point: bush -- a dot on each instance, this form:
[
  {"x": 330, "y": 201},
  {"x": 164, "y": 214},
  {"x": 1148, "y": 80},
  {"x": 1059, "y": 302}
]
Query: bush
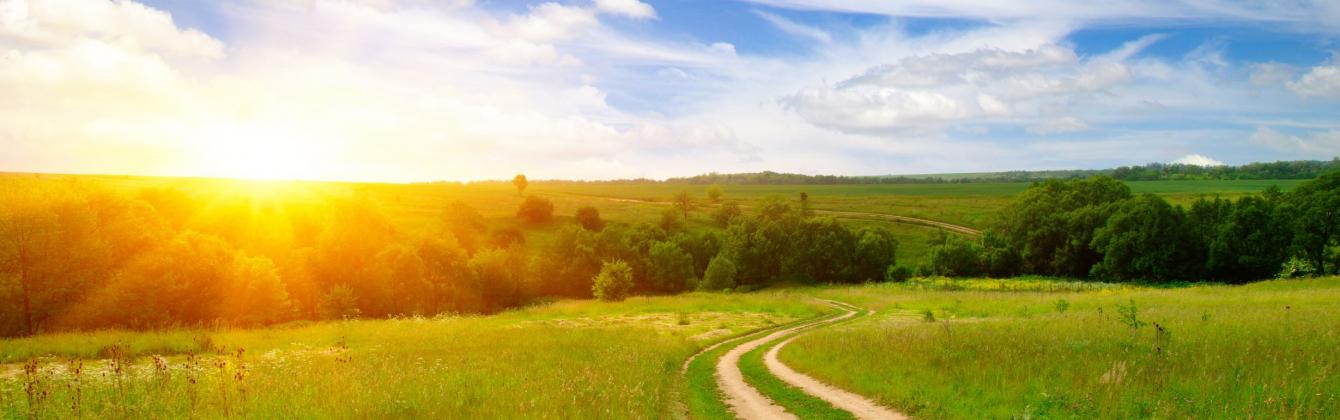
[
  {"x": 589, "y": 218},
  {"x": 339, "y": 303},
  {"x": 614, "y": 282},
  {"x": 720, "y": 274},
  {"x": 671, "y": 220},
  {"x": 536, "y": 210},
  {"x": 726, "y": 213},
  {"x": 898, "y": 273},
  {"x": 1296, "y": 267}
]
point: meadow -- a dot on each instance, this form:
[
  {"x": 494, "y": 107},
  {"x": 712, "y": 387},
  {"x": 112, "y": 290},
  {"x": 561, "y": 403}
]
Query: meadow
[
  {"x": 936, "y": 347},
  {"x": 1012, "y": 349},
  {"x": 566, "y": 359}
]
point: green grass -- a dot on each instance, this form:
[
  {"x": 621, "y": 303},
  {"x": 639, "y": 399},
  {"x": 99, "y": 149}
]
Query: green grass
[
  {"x": 1265, "y": 350},
  {"x": 570, "y": 359}
]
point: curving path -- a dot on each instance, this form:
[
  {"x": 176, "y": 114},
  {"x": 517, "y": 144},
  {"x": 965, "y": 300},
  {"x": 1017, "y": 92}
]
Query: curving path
[{"x": 748, "y": 403}]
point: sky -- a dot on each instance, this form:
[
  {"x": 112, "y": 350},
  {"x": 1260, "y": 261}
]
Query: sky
[{"x": 420, "y": 90}]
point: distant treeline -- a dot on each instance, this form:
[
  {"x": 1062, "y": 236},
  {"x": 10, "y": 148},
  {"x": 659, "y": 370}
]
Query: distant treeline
[
  {"x": 1298, "y": 169},
  {"x": 1095, "y": 228},
  {"x": 75, "y": 256}
]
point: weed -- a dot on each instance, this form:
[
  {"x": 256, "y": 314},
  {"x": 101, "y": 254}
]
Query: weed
[
  {"x": 683, "y": 318},
  {"x": 1062, "y": 305},
  {"x": 928, "y": 315},
  {"x": 1130, "y": 315},
  {"x": 35, "y": 387},
  {"x": 75, "y": 386}
]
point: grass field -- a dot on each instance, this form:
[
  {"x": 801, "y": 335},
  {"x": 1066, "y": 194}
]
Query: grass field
[
  {"x": 1265, "y": 350},
  {"x": 568, "y": 359},
  {"x": 995, "y": 348}
]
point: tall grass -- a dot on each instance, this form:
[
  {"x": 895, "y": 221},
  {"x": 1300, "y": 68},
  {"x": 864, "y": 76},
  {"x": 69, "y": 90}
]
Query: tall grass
[
  {"x": 1266, "y": 350},
  {"x": 567, "y": 360}
]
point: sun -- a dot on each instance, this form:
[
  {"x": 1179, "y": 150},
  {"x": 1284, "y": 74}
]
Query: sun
[{"x": 260, "y": 157}]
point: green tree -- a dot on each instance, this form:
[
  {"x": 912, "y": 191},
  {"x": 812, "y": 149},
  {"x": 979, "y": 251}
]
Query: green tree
[
  {"x": 669, "y": 268},
  {"x": 714, "y": 193},
  {"x": 684, "y": 202},
  {"x": 257, "y": 295},
  {"x": 720, "y": 274},
  {"x": 520, "y": 182},
  {"x": 589, "y": 218},
  {"x": 339, "y": 303},
  {"x": 536, "y": 210},
  {"x": 1315, "y": 210},
  {"x": 1145, "y": 238},
  {"x": 671, "y": 220},
  {"x": 725, "y": 213},
  {"x": 614, "y": 282},
  {"x": 876, "y": 251},
  {"x": 954, "y": 256}
]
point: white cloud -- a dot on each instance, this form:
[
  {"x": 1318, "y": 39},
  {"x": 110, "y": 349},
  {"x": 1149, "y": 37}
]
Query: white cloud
[
  {"x": 795, "y": 28},
  {"x": 628, "y": 8},
  {"x": 1320, "y": 14},
  {"x": 1315, "y": 145},
  {"x": 927, "y": 90},
  {"x": 1323, "y": 81},
  {"x": 1059, "y": 125},
  {"x": 129, "y": 25},
  {"x": 1198, "y": 160},
  {"x": 1270, "y": 73}
]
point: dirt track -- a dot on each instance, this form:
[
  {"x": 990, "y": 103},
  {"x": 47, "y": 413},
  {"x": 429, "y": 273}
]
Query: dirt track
[{"x": 748, "y": 403}]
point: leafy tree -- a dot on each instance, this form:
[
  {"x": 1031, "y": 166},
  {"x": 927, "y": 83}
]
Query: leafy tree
[
  {"x": 822, "y": 250},
  {"x": 506, "y": 237},
  {"x": 684, "y": 202},
  {"x": 670, "y": 268},
  {"x": 614, "y": 282},
  {"x": 497, "y": 275},
  {"x": 519, "y": 181},
  {"x": 671, "y": 220},
  {"x": 714, "y": 193},
  {"x": 720, "y": 274},
  {"x": 339, "y": 303},
  {"x": 1249, "y": 240},
  {"x": 1051, "y": 224},
  {"x": 465, "y": 224},
  {"x": 876, "y": 251},
  {"x": 1145, "y": 238},
  {"x": 589, "y": 218},
  {"x": 1315, "y": 210},
  {"x": 257, "y": 295},
  {"x": 536, "y": 210},
  {"x": 726, "y": 213},
  {"x": 898, "y": 273},
  {"x": 954, "y": 256}
]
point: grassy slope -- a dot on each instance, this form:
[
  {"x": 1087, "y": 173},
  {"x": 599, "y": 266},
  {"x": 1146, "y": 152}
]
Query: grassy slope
[
  {"x": 571, "y": 359},
  {"x": 1262, "y": 350}
]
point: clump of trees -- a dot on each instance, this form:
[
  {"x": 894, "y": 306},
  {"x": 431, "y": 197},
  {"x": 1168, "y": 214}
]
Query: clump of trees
[{"x": 1095, "y": 228}]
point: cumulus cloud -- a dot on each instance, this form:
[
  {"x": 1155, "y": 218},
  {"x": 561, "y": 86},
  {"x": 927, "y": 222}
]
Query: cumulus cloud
[
  {"x": 1059, "y": 125},
  {"x": 924, "y": 90},
  {"x": 1323, "y": 81},
  {"x": 1198, "y": 160},
  {"x": 126, "y": 24},
  {"x": 628, "y": 8}
]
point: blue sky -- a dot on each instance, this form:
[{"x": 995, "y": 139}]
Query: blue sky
[{"x": 411, "y": 90}]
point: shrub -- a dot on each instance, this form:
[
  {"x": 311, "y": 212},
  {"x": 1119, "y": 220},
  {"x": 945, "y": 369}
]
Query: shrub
[
  {"x": 1296, "y": 267},
  {"x": 614, "y": 281},
  {"x": 339, "y": 303},
  {"x": 727, "y": 212},
  {"x": 671, "y": 220},
  {"x": 589, "y": 218},
  {"x": 536, "y": 210},
  {"x": 898, "y": 273},
  {"x": 720, "y": 274}
]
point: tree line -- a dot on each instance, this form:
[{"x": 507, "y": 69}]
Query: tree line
[
  {"x": 1096, "y": 228},
  {"x": 76, "y": 256},
  {"x": 1299, "y": 169}
]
